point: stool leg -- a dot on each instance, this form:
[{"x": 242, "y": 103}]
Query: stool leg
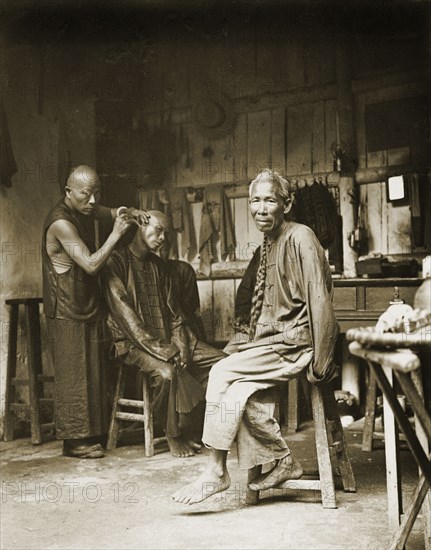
[
  {"x": 338, "y": 440},
  {"x": 114, "y": 426},
  {"x": 148, "y": 418},
  {"x": 370, "y": 413},
  {"x": 292, "y": 406},
  {"x": 11, "y": 372},
  {"x": 327, "y": 485},
  {"x": 34, "y": 369},
  {"x": 252, "y": 497}
]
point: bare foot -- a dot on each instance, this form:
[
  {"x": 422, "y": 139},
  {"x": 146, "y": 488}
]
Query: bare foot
[
  {"x": 194, "y": 445},
  {"x": 286, "y": 468},
  {"x": 207, "y": 484},
  {"x": 179, "y": 447}
]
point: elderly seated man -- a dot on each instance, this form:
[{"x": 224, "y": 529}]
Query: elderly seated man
[
  {"x": 150, "y": 332},
  {"x": 292, "y": 329}
]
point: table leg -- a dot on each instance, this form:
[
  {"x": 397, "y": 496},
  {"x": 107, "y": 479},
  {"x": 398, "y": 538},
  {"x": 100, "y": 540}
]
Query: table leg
[
  {"x": 403, "y": 422},
  {"x": 392, "y": 456},
  {"x": 416, "y": 377}
]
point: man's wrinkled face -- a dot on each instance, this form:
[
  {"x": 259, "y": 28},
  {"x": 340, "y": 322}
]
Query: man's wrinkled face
[
  {"x": 154, "y": 233},
  {"x": 84, "y": 195},
  {"x": 267, "y": 208}
]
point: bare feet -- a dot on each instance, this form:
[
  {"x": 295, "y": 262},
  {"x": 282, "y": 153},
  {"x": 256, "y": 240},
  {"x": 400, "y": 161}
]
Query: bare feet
[
  {"x": 194, "y": 445},
  {"x": 179, "y": 447},
  {"x": 286, "y": 468},
  {"x": 207, "y": 484}
]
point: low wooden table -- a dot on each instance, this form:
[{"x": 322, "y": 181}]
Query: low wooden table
[{"x": 389, "y": 356}]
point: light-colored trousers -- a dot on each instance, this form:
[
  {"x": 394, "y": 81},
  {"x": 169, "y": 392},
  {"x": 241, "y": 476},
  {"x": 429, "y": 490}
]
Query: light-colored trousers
[{"x": 240, "y": 401}]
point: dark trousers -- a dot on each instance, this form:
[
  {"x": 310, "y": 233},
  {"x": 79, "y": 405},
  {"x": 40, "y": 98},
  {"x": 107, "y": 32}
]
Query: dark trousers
[
  {"x": 163, "y": 381},
  {"x": 80, "y": 384}
]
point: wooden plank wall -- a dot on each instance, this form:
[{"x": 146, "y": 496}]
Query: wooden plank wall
[
  {"x": 295, "y": 139},
  {"x": 218, "y": 308}
]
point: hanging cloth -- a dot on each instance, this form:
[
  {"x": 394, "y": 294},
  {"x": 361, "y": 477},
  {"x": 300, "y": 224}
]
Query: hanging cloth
[
  {"x": 216, "y": 224},
  {"x": 182, "y": 222},
  {"x": 415, "y": 208},
  {"x": 63, "y": 157}
]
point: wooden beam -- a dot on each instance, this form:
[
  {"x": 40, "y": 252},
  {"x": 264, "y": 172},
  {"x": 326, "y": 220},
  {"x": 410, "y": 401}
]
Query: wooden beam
[
  {"x": 381, "y": 173},
  {"x": 385, "y": 80}
]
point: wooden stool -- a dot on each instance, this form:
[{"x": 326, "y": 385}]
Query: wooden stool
[
  {"x": 146, "y": 417},
  {"x": 297, "y": 391},
  {"x": 39, "y": 432},
  {"x": 331, "y": 452}
]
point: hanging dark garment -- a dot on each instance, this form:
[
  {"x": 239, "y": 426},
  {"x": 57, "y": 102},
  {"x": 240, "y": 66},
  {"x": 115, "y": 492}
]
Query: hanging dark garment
[
  {"x": 315, "y": 207},
  {"x": 7, "y": 160},
  {"x": 64, "y": 164}
]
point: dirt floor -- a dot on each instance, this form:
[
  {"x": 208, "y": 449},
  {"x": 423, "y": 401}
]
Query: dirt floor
[{"x": 123, "y": 501}]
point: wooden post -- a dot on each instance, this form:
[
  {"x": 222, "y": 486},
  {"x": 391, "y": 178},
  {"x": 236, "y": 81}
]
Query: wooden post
[
  {"x": 346, "y": 133},
  {"x": 347, "y": 189}
]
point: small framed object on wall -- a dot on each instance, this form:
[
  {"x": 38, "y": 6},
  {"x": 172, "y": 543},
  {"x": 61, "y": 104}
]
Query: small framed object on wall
[{"x": 396, "y": 190}]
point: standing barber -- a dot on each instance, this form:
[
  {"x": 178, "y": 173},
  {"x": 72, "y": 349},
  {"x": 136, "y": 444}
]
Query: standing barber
[{"x": 73, "y": 307}]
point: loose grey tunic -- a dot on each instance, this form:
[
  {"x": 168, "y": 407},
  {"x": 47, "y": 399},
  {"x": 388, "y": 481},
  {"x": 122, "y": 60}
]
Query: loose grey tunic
[{"x": 297, "y": 330}]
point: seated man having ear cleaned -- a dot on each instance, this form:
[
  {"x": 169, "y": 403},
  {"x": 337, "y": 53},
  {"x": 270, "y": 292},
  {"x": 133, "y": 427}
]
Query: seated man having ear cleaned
[{"x": 150, "y": 332}]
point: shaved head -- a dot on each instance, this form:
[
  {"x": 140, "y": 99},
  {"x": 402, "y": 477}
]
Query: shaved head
[
  {"x": 82, "y": 176},
  {"x": 153, "y": 235},
  {"x": 158, "y": 217},
  {"x": 82, "y": 190}
]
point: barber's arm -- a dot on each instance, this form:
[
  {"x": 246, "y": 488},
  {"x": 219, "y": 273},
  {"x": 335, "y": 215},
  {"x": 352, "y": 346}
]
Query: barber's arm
[
  {"x": 125, "y": 316},
  {"x": 68, "y": 236}
]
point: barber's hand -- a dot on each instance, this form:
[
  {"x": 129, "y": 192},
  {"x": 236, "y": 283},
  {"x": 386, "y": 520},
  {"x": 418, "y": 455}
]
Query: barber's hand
[
  {"x": 178, "y": 362},
  {"x": 121, "y": 225}
]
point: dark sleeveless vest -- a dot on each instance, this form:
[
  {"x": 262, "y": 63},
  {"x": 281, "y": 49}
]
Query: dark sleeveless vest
[{"x": 75, "y": 294}]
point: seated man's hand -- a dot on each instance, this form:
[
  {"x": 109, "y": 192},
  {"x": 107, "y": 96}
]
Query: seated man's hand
[
  {"x": 178, "y": 362},
  {"x": 332, "y": 372},
  {"x": 141, "y": 217},
  {"x": 241, "y": 325}
]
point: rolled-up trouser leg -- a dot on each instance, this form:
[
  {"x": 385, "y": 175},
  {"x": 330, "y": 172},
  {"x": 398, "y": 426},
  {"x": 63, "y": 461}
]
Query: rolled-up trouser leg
[
  {"x": 232, "y": 382},
  {"x": 259, "y": 438}
]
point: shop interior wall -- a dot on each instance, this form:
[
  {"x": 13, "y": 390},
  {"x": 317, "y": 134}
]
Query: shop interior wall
[{"x": 283, "y": 87}]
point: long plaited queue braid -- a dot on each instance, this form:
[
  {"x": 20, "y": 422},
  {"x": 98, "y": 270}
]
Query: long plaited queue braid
[{"x": 259, "y": 289}]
